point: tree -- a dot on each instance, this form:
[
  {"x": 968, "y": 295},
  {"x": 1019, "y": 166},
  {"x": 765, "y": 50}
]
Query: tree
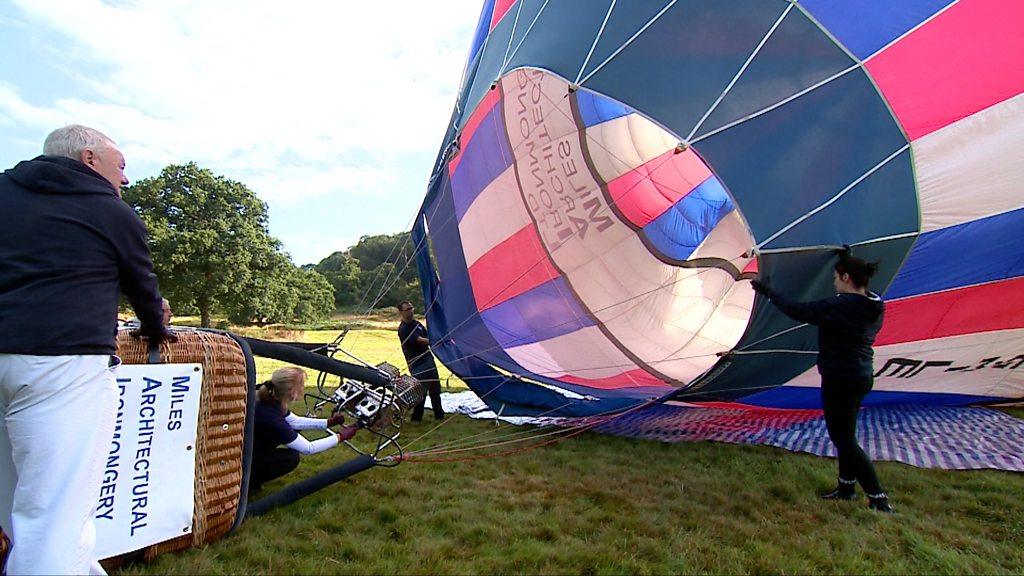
[
  {"x": 316, "y": 296},
  {"x": 267, "y": 296},
  {"x": 377, "y": 270},
  {"x": 342, "y": 271},
  {"x": 204, "y": 230}
]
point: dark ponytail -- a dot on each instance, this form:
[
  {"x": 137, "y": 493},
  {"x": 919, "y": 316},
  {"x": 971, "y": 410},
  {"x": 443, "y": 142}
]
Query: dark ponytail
[{"x": 859, "y": 270}]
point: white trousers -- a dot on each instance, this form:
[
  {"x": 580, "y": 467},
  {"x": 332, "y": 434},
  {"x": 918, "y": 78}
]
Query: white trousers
[{"x": 56, "y": 427}]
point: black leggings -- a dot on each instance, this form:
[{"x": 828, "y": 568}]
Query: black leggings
[
  {"x": 840, "y": 399},
  {"x": 432, "y": 384},
  {"x": 270, "y": 464}
]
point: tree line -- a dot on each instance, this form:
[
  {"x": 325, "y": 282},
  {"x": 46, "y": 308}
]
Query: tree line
[{"x": 214, "y": 255}]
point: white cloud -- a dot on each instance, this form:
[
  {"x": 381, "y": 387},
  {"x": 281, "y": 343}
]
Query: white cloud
[
  {"x": 15, "y": 110},
  {"x": 295, "y": 99}
]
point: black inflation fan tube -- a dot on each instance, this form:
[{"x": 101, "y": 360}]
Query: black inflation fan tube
[
  {"x": 304, "y": 488},
  {"x": 294, "y": 355}
]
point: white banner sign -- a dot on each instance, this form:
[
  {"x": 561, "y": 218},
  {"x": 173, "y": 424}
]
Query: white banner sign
[{"x": 147, "y": 494}]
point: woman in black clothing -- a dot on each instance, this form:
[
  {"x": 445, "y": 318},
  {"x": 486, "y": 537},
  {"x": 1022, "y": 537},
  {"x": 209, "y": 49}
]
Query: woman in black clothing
[
  {"x": 847, "y": 325},
  {"x": 274, "y": 425}
]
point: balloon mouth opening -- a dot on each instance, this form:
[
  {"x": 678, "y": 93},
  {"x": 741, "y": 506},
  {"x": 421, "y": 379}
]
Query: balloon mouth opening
[{"x": 602, "y": 252}]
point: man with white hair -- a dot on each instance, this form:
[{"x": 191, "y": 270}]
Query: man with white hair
[{"x": 69, "y": 246}]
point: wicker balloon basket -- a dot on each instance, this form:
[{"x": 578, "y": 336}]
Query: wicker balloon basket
[{"x": 220, "y": 434}]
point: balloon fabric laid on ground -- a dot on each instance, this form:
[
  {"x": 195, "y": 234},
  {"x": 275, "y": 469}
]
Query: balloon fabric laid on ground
[{"x": 615, "y": 173}]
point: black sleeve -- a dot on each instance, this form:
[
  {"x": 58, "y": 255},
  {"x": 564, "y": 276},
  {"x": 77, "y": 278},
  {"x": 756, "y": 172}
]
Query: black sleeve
[
  {"x": 827, "y": 312},
  {"x": 403, "y": 333},
  {"x": 138, "y": 280}
]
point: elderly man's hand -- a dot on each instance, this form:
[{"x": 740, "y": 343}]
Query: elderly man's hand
[{"x": 155, "y": 336}]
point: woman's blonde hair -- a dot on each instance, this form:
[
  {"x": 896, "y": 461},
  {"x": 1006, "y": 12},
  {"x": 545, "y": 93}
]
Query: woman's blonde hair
[{"x": 280, "y": 384}]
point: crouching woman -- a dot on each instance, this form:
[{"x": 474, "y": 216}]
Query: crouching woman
[{"x": 277, "y": 445}]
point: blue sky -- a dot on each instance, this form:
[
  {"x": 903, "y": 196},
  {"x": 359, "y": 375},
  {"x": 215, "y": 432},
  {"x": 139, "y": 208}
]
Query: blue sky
[{"x": 332, "y": 113}]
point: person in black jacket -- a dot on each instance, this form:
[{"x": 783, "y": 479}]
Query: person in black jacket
[
  {"x": 416, "y": 349},
  {"x": 69, "y": 247},
  {"x": 847, "y": 325}
]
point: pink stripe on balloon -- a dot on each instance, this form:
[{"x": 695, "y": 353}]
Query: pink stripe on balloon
[
  {"x": 632, "y": 379},
  {"x": 964, "y": 60},
  {"x": 490, "y": 99},
  {"x": 647, "y": 191},
  {"x": 512, "y": 267},
  {"x": 500, "y": 8}
]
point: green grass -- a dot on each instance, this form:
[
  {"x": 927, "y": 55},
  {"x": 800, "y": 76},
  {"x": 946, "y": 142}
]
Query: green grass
[{"x": 606, "y": 505}]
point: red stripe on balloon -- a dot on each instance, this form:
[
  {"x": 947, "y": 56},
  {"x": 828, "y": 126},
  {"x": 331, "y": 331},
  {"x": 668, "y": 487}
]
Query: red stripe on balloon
[
  {"x": 512, "y": 267},
  {"x": 631, "y": 379},
  {"x": 489, "y": 101},
  {"x": 966, "y": 59},
  {"x": 500, "y": 8},
  {"x": 649, "y": 190},
  {"x": 983, "y": 308}
]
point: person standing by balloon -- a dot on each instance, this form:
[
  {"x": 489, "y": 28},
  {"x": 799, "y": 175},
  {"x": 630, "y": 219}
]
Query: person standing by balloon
[
  {"x": 847, "y": 326},
  {"x": 416, "y": 349}
]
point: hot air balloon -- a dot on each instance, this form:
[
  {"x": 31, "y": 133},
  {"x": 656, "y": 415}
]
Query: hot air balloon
[{"x": 615, "y": 173}]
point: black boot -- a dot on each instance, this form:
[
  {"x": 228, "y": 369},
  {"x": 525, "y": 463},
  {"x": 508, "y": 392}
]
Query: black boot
[
  {"x": 845, "y": 490},
  {"x": 880, "y": 503}
]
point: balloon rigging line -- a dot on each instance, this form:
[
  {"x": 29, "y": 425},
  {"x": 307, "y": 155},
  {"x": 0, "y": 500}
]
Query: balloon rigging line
[
  {"x": 828, "y": 34},
  {"x": 835, "y": 198},
  {"x": 567, "y": 322},
  {"x": 780, "y": 333},
  {"x": 565, "y": 434},
  {"x": 473, "y": 437},
  {"x": 512, "y": 35},
  {"x": 518, "y": 435},
  {"x": 525, "y": 35},
  {"x": 627, "y": 43},
  {"x": 740, "y": 72},
  {"x": 782, "y": 102},
  {"x": 912, "y": 30},
  {"x": 482, "y": 396},
  {"x": 597, "y": 38},
  {"x": 821, "y": 247}
]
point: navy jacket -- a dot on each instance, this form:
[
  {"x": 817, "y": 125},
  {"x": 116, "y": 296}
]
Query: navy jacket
[
  {"x": 847, "y": 326},
  {"x": 417, "y": 355},
  {"x": 68, "y": 247}
]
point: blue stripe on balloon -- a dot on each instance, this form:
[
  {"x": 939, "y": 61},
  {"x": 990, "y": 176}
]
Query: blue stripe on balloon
[
  {"x": 484, "y": 158},
  {"x": 979, "y": 251},
  {"x": 866, "y": 26},
  {"x": 483, "y": 27},
  {"x": 596, "y": 109},
  {"x": 809, "y": 398},
  {"x": 682, "y": 228},
  {"x": 541, "y": 313}
]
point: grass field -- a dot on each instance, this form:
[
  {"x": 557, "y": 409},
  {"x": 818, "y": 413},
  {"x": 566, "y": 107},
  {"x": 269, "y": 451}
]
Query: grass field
[{"x": 606, "y": 505}]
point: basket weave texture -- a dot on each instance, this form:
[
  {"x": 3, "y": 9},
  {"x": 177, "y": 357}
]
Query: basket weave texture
[{"x": 220, "y": 432}]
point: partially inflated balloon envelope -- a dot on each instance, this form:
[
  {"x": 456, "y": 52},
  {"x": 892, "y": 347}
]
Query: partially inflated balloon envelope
[{"x": 615, "y": 173}]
